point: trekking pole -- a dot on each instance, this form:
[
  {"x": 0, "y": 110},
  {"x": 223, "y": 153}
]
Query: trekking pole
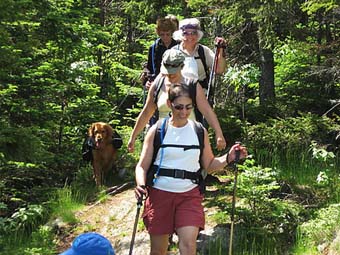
[
  {"x": 211, "y": 82},
  {"x": 139, "y": 206},
  {"x": 212, "y": 76},
  {"x": 237, "y": 158}
]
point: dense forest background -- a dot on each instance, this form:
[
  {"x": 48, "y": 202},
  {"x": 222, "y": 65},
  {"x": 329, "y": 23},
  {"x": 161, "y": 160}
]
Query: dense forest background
[{"x": 66, "y": 64}]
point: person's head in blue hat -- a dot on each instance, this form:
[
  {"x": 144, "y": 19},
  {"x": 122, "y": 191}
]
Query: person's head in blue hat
[{"x": 90, "y": 244}]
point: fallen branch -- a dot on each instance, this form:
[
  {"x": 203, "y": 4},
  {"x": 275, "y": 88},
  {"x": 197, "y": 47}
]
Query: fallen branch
[
  {"x": 116, "y": 189},
  {"x": 111, "y": 191}
]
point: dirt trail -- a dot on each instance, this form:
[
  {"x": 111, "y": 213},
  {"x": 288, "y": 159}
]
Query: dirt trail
[{"x": 114, "y": 218}]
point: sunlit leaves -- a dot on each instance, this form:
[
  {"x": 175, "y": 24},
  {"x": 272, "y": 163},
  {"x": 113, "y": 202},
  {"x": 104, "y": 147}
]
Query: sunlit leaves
[
  {"x": 242, "y": 76},
  {"x": 313, "y": 6}
]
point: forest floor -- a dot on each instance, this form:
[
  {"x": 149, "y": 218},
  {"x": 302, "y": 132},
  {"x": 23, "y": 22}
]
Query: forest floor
[{"x": 114, "y": 218}]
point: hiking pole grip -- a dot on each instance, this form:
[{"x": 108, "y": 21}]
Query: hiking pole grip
[
  {"x": 237, "y": 153},
  {"x": 140, "y": 199}
]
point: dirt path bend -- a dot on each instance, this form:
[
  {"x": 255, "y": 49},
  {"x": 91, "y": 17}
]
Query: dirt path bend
[{"x": 114, "y": 218}]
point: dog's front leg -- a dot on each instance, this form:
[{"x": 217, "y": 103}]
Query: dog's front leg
[{"x": 97, "y": 173}]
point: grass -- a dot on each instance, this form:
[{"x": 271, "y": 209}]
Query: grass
[
  {"x": 65, "y": 202},
  {"x": 35, "y": 238},
  {"x": 217, "y": 246},
  {"x": 40, "y": 242},
  {"x": 298, "y": 166},
  {"x": 256, "y": 241},
  {"x": 319, "y": 230},
  {"x": 140, "y": 225}
]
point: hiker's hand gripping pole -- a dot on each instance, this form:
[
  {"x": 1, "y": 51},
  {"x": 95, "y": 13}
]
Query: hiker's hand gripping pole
[{"x": 218, "y": 67}]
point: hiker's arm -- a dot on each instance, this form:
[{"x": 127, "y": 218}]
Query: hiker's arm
[
  {"x": 144, "y": 162},
  {"x": 146, "y": 157},
  {"x": 208, "y": 113},
  {"x": 212, "y": 163},
  {"x": 221, "y": 58},
  {"x": 142, "y": 119}
]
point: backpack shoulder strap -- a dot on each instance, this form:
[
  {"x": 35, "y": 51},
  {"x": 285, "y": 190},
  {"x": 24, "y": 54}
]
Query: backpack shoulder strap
[
  {"x": 202, "y": 57},
  {"x": 193, "y": 95},
  {"x": 203, "y": 173},
  {"x": 158, "y": 88},
  {"x": 192, "y": 91},
  {"x": 159, "y": 135},
  {"x": 200, "y": 134},
  {"x": 153, "y": 55}
]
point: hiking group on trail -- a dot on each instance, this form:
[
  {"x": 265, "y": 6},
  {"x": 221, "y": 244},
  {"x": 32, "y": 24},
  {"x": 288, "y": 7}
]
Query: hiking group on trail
[{"x": 176, "y": 153}]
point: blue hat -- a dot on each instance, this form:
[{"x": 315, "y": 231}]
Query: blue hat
[{"x": 90, "y": 244}]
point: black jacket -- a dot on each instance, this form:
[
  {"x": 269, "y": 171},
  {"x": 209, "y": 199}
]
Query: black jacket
[{"x": 157, "y": 49}]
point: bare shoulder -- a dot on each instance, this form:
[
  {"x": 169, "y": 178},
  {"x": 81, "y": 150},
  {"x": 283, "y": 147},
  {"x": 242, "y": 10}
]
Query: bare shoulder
[{"x": 151, "y": 133}]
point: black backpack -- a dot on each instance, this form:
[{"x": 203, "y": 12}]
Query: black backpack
[
  {"x": 89, "y": 144},
  {"x": 87, "y": 147},
  {"x": 162, "y": 127},
  {"x": 201, "y": 55}
]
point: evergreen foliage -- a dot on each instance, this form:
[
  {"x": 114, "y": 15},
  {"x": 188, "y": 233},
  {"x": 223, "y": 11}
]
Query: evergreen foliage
[{"x": 66, "y": 64}]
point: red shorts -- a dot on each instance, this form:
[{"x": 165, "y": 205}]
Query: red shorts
[{"x": 164, "y": 211}]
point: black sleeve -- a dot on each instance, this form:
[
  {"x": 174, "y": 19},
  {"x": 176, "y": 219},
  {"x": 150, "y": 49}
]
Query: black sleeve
[{"x": 149, "y": 66}]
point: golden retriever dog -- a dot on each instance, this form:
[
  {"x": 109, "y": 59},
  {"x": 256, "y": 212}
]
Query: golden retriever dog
[{"x": 104, "y": 154}]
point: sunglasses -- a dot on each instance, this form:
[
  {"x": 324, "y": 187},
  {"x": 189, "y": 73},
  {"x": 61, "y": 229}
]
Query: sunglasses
[
  {"x": 190, "y": 33},
  {"x": 180, "y": 107}
]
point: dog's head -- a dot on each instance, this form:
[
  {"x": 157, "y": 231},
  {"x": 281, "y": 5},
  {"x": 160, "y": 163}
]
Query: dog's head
[{"x": 101, "y": 134}]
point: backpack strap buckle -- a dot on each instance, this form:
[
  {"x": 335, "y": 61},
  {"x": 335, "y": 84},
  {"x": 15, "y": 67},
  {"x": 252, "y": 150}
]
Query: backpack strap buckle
[{"x": 179, "y": 174}]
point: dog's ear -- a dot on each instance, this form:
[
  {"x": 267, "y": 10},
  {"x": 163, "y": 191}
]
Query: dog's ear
[
  {"x": 109, "y": 131},
  {"x": 91, "y": 130}
]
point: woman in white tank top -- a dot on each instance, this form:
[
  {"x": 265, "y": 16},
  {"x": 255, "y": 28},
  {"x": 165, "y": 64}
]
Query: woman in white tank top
[{"x": 174, "y": 202}]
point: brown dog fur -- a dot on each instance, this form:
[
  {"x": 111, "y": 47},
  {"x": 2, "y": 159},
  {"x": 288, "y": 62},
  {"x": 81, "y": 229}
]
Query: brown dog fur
[{"x": 104, "y": 154}]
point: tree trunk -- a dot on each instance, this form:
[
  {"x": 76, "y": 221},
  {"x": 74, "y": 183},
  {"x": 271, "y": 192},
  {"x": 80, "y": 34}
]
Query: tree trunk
[
  {"x": 319, "y": 36},
  {"x": 102, "y": 16},
  {"x": 266, "y": 88}
]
